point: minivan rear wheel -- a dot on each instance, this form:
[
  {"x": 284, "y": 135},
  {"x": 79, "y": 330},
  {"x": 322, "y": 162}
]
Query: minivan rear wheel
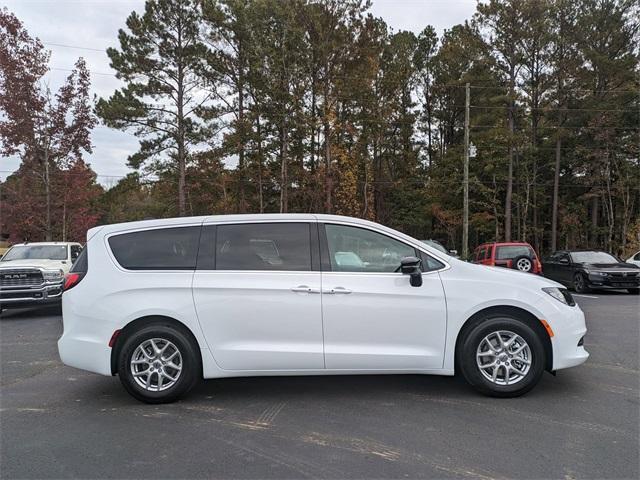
[
  {"x": 158, "y": 364},
  {"x": 502, "y": 357}
]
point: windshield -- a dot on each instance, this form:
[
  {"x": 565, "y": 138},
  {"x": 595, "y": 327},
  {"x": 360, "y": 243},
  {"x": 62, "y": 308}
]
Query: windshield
[
  {"x": 36, "y": 252},
  {"x": 436, "y": 245},
  {"x": 593, "y": 257}
]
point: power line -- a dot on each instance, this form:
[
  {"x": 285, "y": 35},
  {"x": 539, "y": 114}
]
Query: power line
[
  {"x": 90, "y": 71},
  {"x": 73, "y": 46}
]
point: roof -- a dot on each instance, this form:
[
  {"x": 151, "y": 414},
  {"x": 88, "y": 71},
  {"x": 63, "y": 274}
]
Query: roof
[
  {"x": 504, "y": 244},
  {"x": 44, "y": 243},
  {"x": 262, "y": 217}
]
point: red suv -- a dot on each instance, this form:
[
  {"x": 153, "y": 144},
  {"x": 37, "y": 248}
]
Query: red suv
[{"x": 520, "y": 256}]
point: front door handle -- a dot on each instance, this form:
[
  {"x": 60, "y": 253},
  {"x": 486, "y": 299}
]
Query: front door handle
[
  {"x": 336, "y": 290},
  {"x": 305, "y": 289}
]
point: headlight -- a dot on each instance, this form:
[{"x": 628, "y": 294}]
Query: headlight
[
  {"x": 599, "y": 274},
  {"x": 560, "y": 294},
  {"x": 52, "y": 275}
]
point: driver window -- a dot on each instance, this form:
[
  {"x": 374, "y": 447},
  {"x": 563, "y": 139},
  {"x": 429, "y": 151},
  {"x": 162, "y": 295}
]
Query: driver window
[{"x": 353, "y": 249}]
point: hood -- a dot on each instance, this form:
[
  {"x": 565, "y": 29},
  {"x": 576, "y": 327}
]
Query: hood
[
  {"x": 612, "y": 267},
  {"x": 509, "y": 275},
  {"x": 38, "y": 263}
]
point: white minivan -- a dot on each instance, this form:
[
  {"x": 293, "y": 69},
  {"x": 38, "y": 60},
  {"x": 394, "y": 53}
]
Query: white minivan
[{"x": 164, "y": 303}]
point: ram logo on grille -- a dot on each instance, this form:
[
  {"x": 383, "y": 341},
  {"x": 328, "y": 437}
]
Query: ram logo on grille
[{"x": 14, "y": 276}]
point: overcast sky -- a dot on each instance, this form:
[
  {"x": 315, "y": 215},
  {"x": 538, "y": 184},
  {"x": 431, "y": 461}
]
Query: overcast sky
[{"x": 93, "y": 25}]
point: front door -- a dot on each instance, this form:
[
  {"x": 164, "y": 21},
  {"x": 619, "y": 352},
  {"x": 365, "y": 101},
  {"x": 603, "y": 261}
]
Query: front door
[
  {"x": 564, "y": 269},
  {"x": 257, "y": 294},
  {"x": 373, "y": 318}
]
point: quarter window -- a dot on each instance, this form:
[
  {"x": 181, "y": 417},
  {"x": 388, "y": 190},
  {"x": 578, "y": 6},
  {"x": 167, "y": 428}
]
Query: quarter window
[
  {"x": 263, "y": 246},
  {"x": 159, "y": 249},
  {"x": 353, "y": 249}
]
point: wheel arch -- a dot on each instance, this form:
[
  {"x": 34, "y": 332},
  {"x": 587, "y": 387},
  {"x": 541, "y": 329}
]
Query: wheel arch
[
  {"x": 518, "y": 313},
  {"x": 139, "y": 323}
]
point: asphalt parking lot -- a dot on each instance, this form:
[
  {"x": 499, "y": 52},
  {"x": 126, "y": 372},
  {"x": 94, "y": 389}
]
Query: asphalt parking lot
[{"x": 57, "y": 422}]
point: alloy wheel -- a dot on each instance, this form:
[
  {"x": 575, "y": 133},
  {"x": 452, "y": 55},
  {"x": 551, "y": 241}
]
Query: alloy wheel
[
  {"x": 156, "y": 364},
  {"x": 504, "y": 357}
]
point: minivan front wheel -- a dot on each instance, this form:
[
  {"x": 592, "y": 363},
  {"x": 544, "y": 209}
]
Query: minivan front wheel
[
  {"x": 502, "y": 357},
  {"x": 158, "y": 364}
]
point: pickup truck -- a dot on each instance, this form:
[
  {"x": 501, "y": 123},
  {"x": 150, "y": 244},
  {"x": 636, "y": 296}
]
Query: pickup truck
[{"x": 33, "y": 273}]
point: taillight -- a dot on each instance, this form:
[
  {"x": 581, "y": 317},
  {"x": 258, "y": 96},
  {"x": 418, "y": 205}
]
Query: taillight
[{"x": 72, "y": 279}]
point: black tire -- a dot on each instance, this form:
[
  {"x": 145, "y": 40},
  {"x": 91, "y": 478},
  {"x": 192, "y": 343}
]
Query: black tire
[
  {"x": 634, "y": 291},
  {"x": 189, "y": 375},
  {"x": 580, "y": 283},
  {"x": 471, "y": 342},
  {"x": 528, "y": 267}
]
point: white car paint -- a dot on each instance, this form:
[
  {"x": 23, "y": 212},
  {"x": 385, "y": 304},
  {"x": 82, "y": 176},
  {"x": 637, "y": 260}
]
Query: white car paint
[
  {"x": 634, "y": 259},
  {"x": 251, "y": 323}
]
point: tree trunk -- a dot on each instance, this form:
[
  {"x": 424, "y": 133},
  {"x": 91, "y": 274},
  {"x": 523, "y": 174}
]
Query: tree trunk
[
  {"x": 182, "y": 211},
  {"x": 556, "y": 185},
  {"x": 47, "y": 191},
  {"x": 241, "y": 207},
  {"x": 284, "y": 181},
  {"x": 260, "y": 193},
  {"x": 327, "y": 153},
  {"x": 594, "y": 222},
  {"x": 507, "y": 203}
]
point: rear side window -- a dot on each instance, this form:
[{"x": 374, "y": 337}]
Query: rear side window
[
  {"x": 509, "y": 252},
  {"x": 159, "y": 249},
  {"x": 263, "y": 246}
]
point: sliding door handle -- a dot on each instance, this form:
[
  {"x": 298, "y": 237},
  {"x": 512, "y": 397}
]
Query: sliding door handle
[
  {"x": 305, "y": 289},
  {"x": 337, "y": 290}
]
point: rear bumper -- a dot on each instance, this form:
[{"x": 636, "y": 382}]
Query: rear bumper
[
  {"x": 84, "y": 343},
  {"x": 85, "y": 354}
]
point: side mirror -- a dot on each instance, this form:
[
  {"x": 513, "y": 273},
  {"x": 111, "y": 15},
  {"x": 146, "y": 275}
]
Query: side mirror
[
  {"x": 453, "y": 252},
  {"x": 564, "y": 260},
  {"x": 411, "y": 266}
]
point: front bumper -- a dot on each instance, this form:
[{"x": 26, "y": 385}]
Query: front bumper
[
  {"x": 27, "y": 296},
  {"x": 612, "y": 282},
  {"x": 567, "y": 342}
]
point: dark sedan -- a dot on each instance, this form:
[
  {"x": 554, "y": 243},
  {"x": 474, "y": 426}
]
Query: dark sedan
[{"x": 591, "y": 269}]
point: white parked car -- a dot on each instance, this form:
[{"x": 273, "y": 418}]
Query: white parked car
[
  {"x": 634, "y": 259},
  {"x": 164, "y": 303},
  {"x": 33, "y": 273}
]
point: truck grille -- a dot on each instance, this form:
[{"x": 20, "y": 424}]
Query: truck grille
[{"x": 20, "y": 277}]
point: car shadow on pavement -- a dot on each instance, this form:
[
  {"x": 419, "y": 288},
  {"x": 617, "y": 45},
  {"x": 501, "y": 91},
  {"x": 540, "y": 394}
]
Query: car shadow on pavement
[{"x": 30, "y": 312}]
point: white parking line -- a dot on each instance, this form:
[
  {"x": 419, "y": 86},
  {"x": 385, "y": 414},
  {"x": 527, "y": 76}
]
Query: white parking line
[{"x": 584, "y": 296}]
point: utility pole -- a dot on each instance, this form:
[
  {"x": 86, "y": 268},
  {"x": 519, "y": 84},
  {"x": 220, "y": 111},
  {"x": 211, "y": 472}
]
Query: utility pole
[{"x": 465, "y": 214}]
